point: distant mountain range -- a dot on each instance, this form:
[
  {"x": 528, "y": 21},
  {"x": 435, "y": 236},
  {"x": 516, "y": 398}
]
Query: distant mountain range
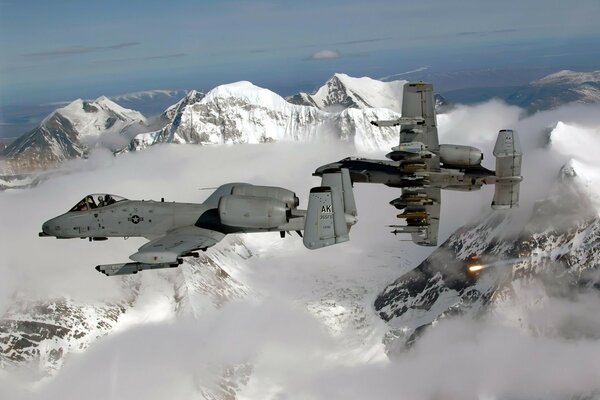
[
  {"x": 234, "y": 113},
  {"x": 546, "y": 93},
  {"x": 557, "y": 89},
  {"x": 16, "y": 120},
  {"x": 243, "y": 113}
]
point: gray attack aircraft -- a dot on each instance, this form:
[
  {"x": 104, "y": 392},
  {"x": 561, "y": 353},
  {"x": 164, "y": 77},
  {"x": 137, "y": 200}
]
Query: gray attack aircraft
[
  {"x": 421, "y": 167},
  {"x": 178, "y": 230}
]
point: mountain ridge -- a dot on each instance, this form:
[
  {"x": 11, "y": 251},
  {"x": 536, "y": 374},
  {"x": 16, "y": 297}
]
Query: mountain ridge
[
  {"x": 244, "y": 113},
  {"x": 58, "y": 137}
]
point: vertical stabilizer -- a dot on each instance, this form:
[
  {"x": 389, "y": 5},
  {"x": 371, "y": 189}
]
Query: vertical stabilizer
[
  {"x": 342, "y": 180},
  {"x": 331, "y": 211}
]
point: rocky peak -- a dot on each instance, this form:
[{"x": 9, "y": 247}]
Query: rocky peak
[
  {"x": 176, "y": 109},
  {"x": 342, "y": 91}
]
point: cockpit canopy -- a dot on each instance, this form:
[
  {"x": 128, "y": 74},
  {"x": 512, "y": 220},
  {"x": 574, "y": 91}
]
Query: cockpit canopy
[{"x": 97, "y": 200}]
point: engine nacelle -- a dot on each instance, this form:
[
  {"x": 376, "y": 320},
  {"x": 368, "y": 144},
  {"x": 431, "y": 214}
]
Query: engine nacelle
[
  {"x": 253, "y": 212},
  {"x": 281, "y": 194},
  {"x": 454, "y": 154}
]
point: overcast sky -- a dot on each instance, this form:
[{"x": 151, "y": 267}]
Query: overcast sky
[{"x": 74, "y": 49}]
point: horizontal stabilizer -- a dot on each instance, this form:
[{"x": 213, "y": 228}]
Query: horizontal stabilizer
[
  {"x": 508, "y": 155},
  {"x": 342, "y": 181}
]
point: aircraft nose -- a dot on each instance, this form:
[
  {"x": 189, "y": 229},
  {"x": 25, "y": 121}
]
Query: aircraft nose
[
  {"x": 48, "y": 227},
  {"x": 46, "y": 231}
]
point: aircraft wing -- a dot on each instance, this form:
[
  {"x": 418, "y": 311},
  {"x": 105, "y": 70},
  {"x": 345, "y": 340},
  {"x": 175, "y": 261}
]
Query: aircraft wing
[
  {"x": 418, "y": 103},
  {"x": 168, "y": 248}
]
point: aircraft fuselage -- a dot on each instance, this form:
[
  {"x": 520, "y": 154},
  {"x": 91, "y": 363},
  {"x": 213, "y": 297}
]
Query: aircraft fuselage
[
  {"x": 126, "y": 218},
  {"x": 131, "y": 218}
]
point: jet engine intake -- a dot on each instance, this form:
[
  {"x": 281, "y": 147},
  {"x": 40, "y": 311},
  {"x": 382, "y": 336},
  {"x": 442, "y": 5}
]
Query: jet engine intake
[
  {"x": 454, "y": 154},
  {"x": 281, "y": 194},
  {"x": 253, "y": 212}
]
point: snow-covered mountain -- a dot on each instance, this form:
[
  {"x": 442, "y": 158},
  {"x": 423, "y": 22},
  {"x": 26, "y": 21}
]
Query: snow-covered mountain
[
  {"x": 244, "y": 113},
  {"x": 45, "y": 333},
  {"x": 71, "y": 131},
  {"x": 343, "y": 91},
  {"x": 556, "y": 89},
  {"x": 234, "y": 113},
  {"x": 168, "y": 122},
  {"x": 559, "y": 244}
]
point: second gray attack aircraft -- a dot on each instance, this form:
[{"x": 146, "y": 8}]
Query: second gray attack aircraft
[
  {"x": 178, "y": 230},
  {"x": 421, "y": 167}
]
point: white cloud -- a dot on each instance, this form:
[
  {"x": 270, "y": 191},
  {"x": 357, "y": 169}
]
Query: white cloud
[
  {"x": 308, "y": 329},
  {"x": 325, "y": 55}
]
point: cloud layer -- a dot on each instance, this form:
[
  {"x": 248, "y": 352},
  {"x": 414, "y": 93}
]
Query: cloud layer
[{"x": 308, "y": 330}]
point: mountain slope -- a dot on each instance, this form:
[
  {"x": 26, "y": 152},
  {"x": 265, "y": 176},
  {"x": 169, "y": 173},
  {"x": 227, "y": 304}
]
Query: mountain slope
[
  {"x": 71, "y": 131},
  {"x": 559, "y": 241},
  {"x": 47, "y": 332},
  {"x": 556, "y": 89}
]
